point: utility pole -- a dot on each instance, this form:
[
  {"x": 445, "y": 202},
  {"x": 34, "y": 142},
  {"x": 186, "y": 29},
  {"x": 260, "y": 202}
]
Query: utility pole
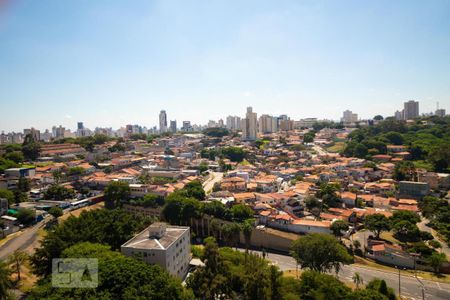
[{"x": 399, "y": 284}]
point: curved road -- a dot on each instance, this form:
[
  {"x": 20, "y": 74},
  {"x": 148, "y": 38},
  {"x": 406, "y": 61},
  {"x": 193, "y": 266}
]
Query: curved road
[
  {"x": 22, "y": 241},
  {"x": 410, "y": 286}
]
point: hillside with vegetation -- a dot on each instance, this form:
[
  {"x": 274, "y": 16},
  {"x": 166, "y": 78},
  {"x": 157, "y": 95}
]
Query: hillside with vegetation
[{"x": 427, "y": 140}]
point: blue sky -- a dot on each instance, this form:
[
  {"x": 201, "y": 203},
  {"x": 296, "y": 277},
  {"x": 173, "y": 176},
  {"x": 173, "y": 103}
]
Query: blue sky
[{"x": 111, "y": 63}]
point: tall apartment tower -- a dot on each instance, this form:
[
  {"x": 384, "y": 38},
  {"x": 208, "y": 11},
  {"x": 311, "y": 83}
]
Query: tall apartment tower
[
  {"x": 349, "y": 117},
  {"x": 162, "y": 121},
  {"x": 267, "y": 124},
  {"x": 233, "y": 123},
  {"x": 411, "y": 110},
  {"x": 249, "y": 125},
  {"x": 173, "y": 126}
]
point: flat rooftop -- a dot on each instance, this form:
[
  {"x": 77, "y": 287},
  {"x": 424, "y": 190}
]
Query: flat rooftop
[{"x": 143, "y": 240}]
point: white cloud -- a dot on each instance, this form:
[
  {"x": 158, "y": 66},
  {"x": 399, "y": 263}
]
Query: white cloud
[
  {"x": 68, "y": 116},
  {"x": 247, "y": 94}
]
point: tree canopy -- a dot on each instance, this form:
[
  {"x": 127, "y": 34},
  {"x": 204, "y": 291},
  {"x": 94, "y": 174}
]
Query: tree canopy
[{"x": 319, "y": 252}]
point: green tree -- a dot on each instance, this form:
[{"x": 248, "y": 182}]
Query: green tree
[
  {"x": 394, "y": 138},
  {"x": 59, "y": 193},
  {"x": 319, "y": 252},
  {"x": 380, "y": 286},
  {"x": 231, "y": 233},
  {"x": 111, "y": 227},
  {"x": 241, "y": 212},
  {"x": 56, "y": 212},
  {"x": 404, "y": 170},
  {"x": 26, "y": 216},
  {"x": 5, "y": 281},
  {"x": 24, "y": 184},
  {"x": 404, "y": 215},
  {"x": 15, "y": 156},
  {"x": 195, "y": 190},
  {"x": 211, "y": 281},
  {"x": 308, "y": 138},
  {"x": 378, "y": 118},
  {"x": 377, "y": 223},
  {"x": 120, "y": 277},
  {"x": 406, "y": 231},
  {"x": 7, "y": 194},
  {"x": 337, "y": 227},
  {"x": 312, "y": 202},
  {"x": 357, "y": 279},
  {"x": 315, "y": 285},
  {"x": 234, "y": 154},
  {"x": 115, "y": 193},
  {"x": 436, "y": 260},
  {"x": 18, "y": 258},
  {"x": 247, "y": 230},
  {"x": 31, "y": 149},
  {"x": 440, "y": 158}
]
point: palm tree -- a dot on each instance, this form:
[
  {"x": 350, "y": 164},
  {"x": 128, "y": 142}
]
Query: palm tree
[
  {"x": 17, "y": 259},
  {"x": 357, "y": 279},
  {"x": 247, "y": 229},
  {"x": 5, "y": 280}
]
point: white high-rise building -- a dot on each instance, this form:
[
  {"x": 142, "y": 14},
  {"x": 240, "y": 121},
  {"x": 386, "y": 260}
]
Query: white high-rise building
[
  {"x": 249, "y": 125},
  {"x": 267, "y": 124},
  {"x": 349, "y": 117},
  {"x": 233, "y": 123},
  {"x": 162, "y": 121},
  {"x": 411, "y": 110}
]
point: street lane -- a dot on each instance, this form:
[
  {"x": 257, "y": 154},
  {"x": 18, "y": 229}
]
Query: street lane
[{"x": 410, "y": 286}]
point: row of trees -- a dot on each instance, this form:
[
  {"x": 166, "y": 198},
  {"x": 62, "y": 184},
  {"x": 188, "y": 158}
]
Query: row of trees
[{"x": 232, "y": 274}]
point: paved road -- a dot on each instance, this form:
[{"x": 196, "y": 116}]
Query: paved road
[
  {"x": 319, "y": 150},
  {"x": 213, "y": 178},
  {"x": 423, "y": 226},
  {"x": 22, "y": 241},
  {"x": 410, "y": 286}
]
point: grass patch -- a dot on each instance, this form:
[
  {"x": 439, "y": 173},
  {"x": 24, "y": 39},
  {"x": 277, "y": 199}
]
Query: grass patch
[
  {"x": 336, "y": 147},
  {"x": 245, "y": 163},
  {"x": 389, "y": 236},
  {"x": 422, "y": 164}
]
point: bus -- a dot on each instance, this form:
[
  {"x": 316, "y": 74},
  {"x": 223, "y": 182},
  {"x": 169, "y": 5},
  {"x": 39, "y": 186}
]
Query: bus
[{"x": 80, "y": 203}]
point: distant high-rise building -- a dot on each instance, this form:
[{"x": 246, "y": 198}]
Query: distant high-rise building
[
  {"x": 220, "y": 123},
  {"x": 399, "y": 115},
  {"x": 233, "y": 123},
  {"x": 33, "y": 133},
  {"x": 411, "y": 110},
  {"x": 249, "y": 125},
  {"x": 80, "y": 126},
  {"x": 286, "y": 125},
  {"x": 440, "y": 112},
  {"x": 187, "y": 126},
  {"x": 349, "y": 117},
  {"x": 173, "y": 126},
  {"x": 212, "y": 124},
  {"x": 59, "y": 132},
  {"x": 162, "y": 121},
  {"x": 267, "y": 124}
]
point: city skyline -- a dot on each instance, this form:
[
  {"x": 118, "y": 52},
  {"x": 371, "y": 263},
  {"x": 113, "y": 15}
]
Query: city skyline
[
  {"x": 74, "y": 125},
  {"x": 114, "y": 64}
]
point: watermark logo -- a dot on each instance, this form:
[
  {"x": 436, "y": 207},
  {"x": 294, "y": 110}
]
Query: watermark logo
[{"x": 75, "y": 272}]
